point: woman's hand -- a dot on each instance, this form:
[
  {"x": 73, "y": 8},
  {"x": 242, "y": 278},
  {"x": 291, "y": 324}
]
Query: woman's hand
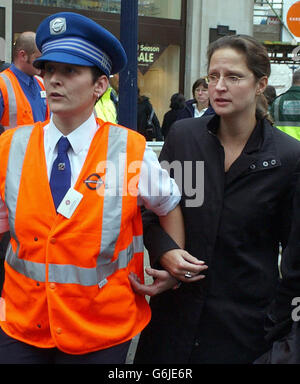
[
  {"x": 183, "y": 266},
  {"x": 162, "y": 281}
]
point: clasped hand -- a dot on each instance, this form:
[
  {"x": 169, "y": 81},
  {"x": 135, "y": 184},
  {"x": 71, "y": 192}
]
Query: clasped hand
[{"x": 176, "y": 263}]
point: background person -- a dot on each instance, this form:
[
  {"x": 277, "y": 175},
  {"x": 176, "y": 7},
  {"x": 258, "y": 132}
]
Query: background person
[
  {"x": 199, "y": 105},
  {"x": 147, "y": 122},
  {"x": 270, "y": 94},
  {"x": 22, "y": 94},
  {"x": 285, "y": 109},
  {"x": 76, "y": 227},
  {"x": 250, "y": 172},
  {"x": 177, "y": 103},
  {"x": 106, "y": 108},
  {"x": 3, "y": 66}
]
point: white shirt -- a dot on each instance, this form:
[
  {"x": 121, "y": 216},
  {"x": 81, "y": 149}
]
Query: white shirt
[
  {"x": 198, "y": 113},
  {"x": 156, "y": 190}
]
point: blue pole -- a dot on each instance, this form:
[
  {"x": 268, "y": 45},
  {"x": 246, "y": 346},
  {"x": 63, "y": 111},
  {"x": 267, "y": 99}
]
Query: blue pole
[{"x": 128, "y": 77}]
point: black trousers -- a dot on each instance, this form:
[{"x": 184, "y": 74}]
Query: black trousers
[
  {"x": 13, "y": 351},
  {"x": 3, "y": 246},
  {"x": 1, "y": 273}
]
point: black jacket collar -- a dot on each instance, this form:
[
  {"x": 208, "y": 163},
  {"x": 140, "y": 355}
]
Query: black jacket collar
[{"x": 259, "y": 153}]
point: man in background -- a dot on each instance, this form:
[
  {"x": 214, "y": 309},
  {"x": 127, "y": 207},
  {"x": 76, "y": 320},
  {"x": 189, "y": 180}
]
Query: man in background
[
  {"x": 22, "y": 94},
  {"x": 3, "y": 66},
  {"x": 285, "y": 109},
  {"x": 106, "y": 108}
]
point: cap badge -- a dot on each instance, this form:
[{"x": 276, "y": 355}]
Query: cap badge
[{"x": 58, "y": 26}]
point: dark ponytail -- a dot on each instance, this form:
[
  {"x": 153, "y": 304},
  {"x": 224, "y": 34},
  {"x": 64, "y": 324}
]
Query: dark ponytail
[{"x": 262, "y": 109}]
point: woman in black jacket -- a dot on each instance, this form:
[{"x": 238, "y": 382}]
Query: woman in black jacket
[
  {"x": 177, "y": 103},
  {"x": 237, "y": 174},
  {"x": 147, "y": 121},
  {"x": 199, "y": 105}
]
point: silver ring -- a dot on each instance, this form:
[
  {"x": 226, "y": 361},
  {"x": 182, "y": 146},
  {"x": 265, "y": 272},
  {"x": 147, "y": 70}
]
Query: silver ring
[{"x": 188, "y": 275}]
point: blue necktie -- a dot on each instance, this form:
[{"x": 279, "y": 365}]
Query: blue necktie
[{"x": 60, "y": 179}]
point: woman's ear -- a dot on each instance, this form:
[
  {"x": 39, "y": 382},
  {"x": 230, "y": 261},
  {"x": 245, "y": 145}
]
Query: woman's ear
[
  {"x": 262, "y": 85},
  {"x": 101, "y": 86}
]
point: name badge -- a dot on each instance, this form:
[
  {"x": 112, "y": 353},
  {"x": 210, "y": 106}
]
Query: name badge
[
  {"x": 69, "y": 203},
  {"x": 43, "y": 94}
]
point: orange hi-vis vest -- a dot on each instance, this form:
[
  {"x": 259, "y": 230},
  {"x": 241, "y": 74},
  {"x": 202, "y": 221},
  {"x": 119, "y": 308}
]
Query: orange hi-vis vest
[
  {"x": 17, "y": 109},
  {"x": 66, "y": 280}
]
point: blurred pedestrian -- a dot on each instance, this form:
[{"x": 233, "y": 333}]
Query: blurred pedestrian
[
  {"x": 147, "y": 122},
  {"x": 270, "y": 94},
  {"x": 3, "y": 66},
  {"x": 106, "y": 108},
  {"x": 177, "y": 103},
  {"x": 22, "y": 93},
  {"x": 199, "y": 104},
  {"x": 285, "y": 109}
]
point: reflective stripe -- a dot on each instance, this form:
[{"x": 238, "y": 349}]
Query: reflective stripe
[
  {"x": 277, "y": 121},
  {"x": 14, "y": 170},
  {"x": 112, "y": 206},
  {"x": 290, "y": 130},
  {"x": 33, "y": 270},
  {"x": 70, "y": 274},
  {"x": 112, "y": 214},
  {"x": 291, "y": 107},
  {"x": 12, "y": 183},
  {"x": 12, "y": 102},
  {"x": 287, "y": 123}
]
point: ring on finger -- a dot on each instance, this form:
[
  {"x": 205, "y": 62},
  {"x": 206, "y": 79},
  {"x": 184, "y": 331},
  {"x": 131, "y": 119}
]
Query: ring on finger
[{"x": 187, "y": 275}]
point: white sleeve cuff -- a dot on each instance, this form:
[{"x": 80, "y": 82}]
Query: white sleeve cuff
[{"x": 157, "y": 191}]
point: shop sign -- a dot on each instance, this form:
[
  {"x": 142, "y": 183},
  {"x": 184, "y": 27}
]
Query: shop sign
[
  {"x": 293, "y": 19},
  {"x": 273, "y": 20},
  {"x": 148, "y": 54}
]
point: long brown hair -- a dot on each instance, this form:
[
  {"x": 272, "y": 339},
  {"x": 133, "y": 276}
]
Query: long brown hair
[{"x": 257, "y": 60}]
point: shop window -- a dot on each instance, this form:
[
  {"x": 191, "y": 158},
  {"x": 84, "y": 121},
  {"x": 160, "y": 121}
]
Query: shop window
[
  {"x": 158, "y": 74},
  {"x": 167, "y": 9}
]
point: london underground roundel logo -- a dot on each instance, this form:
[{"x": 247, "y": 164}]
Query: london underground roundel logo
[{"x": 57, "y": 25}]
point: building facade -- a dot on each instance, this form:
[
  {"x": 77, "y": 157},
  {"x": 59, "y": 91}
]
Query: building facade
[
  {"x": 173, "y": 35},
  {"x": 208, "y": 20}
]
